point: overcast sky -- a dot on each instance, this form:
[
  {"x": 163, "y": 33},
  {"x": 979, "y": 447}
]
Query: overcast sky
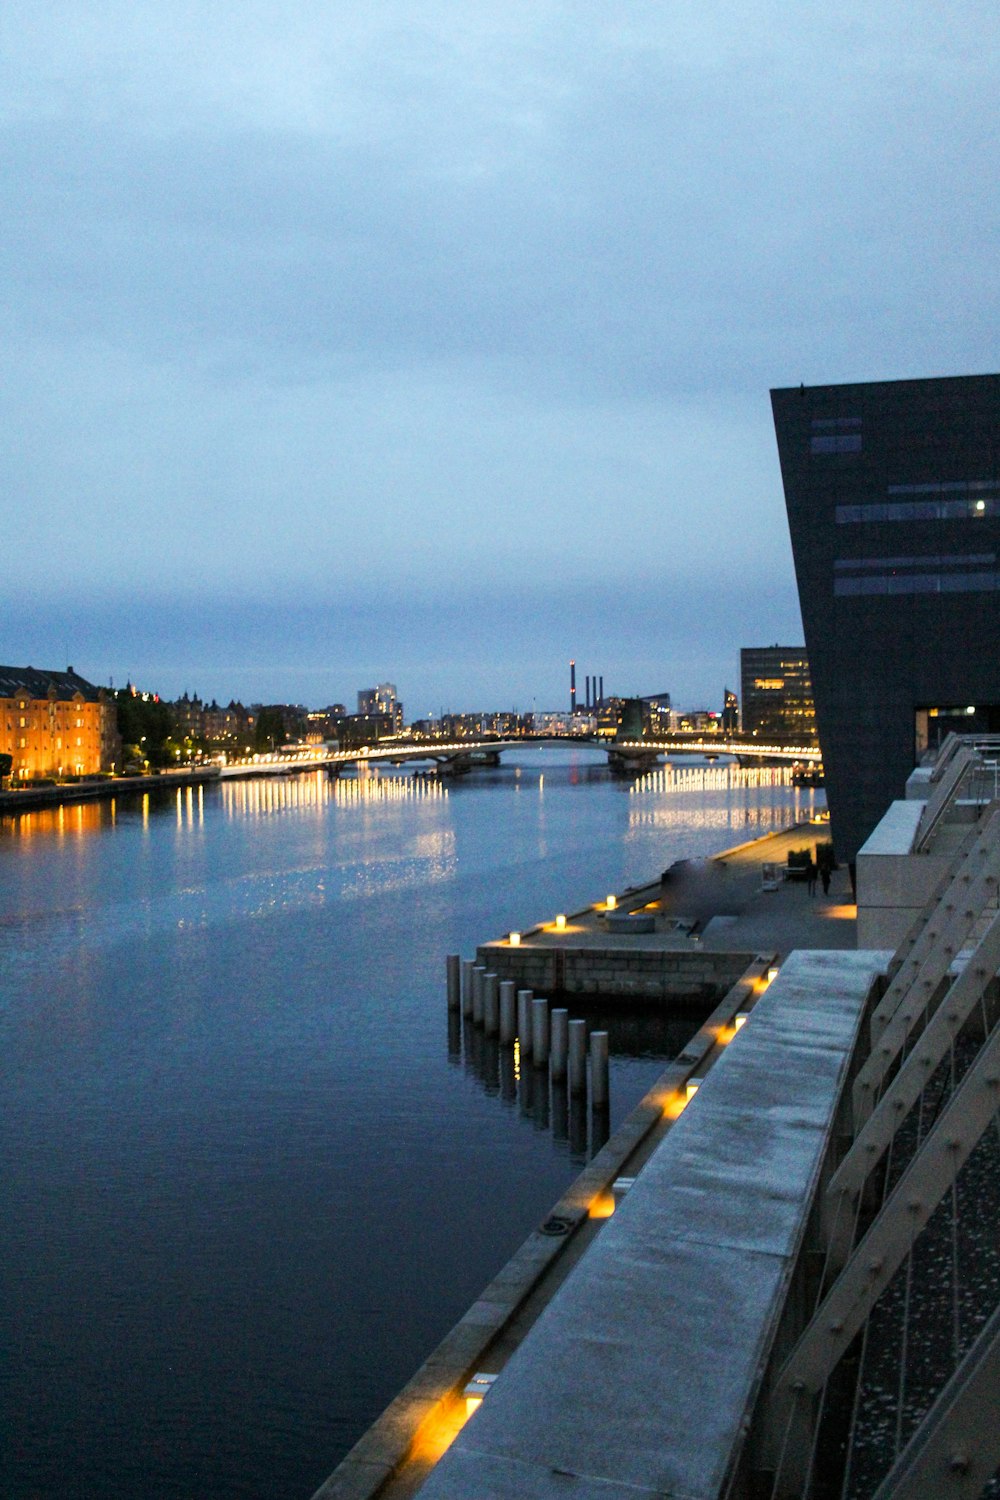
[{"x": 433, "y": 342}]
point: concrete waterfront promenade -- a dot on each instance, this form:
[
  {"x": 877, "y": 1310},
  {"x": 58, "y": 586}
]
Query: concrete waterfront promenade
[
  {"x": 640, "y": 1376},
  {"x": 706, "y": 921},
  {"x": 610, "y": 1332}
]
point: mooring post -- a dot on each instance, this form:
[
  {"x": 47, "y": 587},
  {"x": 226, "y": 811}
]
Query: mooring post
[
  {"x": 508, "y": 1011},
  {"x": 468, "y": 964},
  {"x": 478, "y": 985},
  {"x": 453, "y": 967},
  {"x": 598, "y": 1069},
  {"x": 524, "y": 1036},
  {"x": 491, "y": 1004},
  {"x": 577, "y": 1057},
  {"x": 539, "y": 1031},
  {"x": 560, "y": 1043}
]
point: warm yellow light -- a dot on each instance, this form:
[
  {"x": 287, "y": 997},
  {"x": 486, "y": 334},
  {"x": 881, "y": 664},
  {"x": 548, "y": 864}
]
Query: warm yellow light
[
  {"x": 772, "y": 974},
  {"x": 602, "y": 1207},
  {"x": 515, "y": 940},
  {"x": 478, "y": 1387},
  {"x": 692, "y": 1088},
  {"x": 740, "y": 1019},
  {"x": 611, "y": 903},
  {"x": 560, "y": 921},
  {"x": 439, "y": 1430}
]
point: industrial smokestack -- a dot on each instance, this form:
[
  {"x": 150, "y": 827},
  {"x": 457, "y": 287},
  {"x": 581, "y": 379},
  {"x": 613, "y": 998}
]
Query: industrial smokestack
[
  {"x": 588, "y": 691},
  {"x": 572, "y": 687},
  {"x": 600, "y": 691}
]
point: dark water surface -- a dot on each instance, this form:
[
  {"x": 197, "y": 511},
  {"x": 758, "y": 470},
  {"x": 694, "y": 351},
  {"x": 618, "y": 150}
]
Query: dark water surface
[{"x": 245, "y": 1185}]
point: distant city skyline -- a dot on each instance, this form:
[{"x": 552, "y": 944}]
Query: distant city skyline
[
  {"x": 429, "y": 678},
  {"x": 434, "y": 343}
]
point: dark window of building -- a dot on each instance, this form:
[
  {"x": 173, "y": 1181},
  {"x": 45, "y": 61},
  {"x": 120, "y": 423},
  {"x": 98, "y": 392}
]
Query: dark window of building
[
  {"x": 918, "y": 583},
  {"x": 974, "y": 507},
  {"x": 944, "y": 560},
  {"x": 949, "y": 487},
  {"x": 835, "y": 435}
]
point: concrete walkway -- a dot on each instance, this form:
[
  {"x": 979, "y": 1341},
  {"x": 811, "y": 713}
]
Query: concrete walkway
[
  {"x": 639, "y": 1378},
  {"x": 722, "y": 899}
]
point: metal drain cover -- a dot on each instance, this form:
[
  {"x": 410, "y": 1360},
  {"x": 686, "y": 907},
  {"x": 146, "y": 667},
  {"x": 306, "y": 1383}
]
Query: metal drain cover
[{"x": 555, "y": 1225}]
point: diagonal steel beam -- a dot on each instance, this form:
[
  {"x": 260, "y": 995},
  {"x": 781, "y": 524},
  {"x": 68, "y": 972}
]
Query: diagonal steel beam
[
  {"x": 956, "y": 1448},
  {"x": 933, "y": 1044},
  {"x": 903, "y": 1215}
]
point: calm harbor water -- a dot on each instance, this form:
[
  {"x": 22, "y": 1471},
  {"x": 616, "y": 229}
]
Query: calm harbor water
[{"x": 247, "y": 1180}]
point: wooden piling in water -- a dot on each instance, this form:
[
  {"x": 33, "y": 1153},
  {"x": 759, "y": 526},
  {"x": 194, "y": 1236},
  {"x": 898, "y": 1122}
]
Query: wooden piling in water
[
  {"x": 599, "y": 1069},
  {"x": 508, "y": 1011},
  {"x": 539, "y": 1031},
  {"x": 560, "y": 1044},
  {"x": 524, "y": 1025},
  {"x": 577, "y": 1058},
  {"x": 491, "y": 1004}
]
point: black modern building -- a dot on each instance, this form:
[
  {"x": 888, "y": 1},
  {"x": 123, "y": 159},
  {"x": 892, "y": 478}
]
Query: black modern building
[{"x": 893, "y": 496}]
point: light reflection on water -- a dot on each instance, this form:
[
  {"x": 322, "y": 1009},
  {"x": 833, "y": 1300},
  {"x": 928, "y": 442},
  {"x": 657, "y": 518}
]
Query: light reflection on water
[
  {"x": 673, "y": 798},
  {"x": 248, "y": 1179}
]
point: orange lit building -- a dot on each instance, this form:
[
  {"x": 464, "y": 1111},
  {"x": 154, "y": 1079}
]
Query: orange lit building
[{"x": 56, "y": 724}]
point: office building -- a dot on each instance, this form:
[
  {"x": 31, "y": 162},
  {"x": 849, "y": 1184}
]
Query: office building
[
  {"x": 893, "y": 497},
  {"x": 776, "y": 689},
  {"x": 382, "y": 699},
  {"x": 655, "y": 715}
]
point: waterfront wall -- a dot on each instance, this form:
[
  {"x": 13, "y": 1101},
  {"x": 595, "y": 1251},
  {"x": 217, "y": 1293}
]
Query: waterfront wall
[
  {"x": 28, "y": 799},
  {"x": 631, "y": 973}
]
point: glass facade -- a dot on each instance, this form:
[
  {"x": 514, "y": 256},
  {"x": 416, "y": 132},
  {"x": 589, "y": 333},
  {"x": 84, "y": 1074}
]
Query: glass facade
[{"x": 777, "y": 696}]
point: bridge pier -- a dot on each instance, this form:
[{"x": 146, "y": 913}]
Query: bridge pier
[
  {"x": 466, "y": 761},
  {"x": 453, "y": 765},
  {"x": 632, "y": 762}
]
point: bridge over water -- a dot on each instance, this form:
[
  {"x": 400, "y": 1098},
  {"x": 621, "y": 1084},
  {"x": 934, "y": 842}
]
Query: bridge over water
[{"x": 624, "y": 755}]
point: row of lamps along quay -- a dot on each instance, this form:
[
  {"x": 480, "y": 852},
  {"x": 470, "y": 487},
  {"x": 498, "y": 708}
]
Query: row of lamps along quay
[{"x": 610, "y": 903}]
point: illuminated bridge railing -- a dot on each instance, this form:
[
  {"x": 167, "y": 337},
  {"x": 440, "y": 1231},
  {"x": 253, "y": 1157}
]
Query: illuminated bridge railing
[{"x": 439, "y": 750}]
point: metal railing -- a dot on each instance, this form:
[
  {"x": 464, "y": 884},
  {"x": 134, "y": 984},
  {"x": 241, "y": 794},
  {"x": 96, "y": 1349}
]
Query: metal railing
[{"x": 889, "y": 1385}]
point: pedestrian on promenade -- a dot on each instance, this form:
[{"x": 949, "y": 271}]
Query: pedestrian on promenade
[
  {"x": 824, "y": 875},
  {"x": 811, "y": 876}
]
